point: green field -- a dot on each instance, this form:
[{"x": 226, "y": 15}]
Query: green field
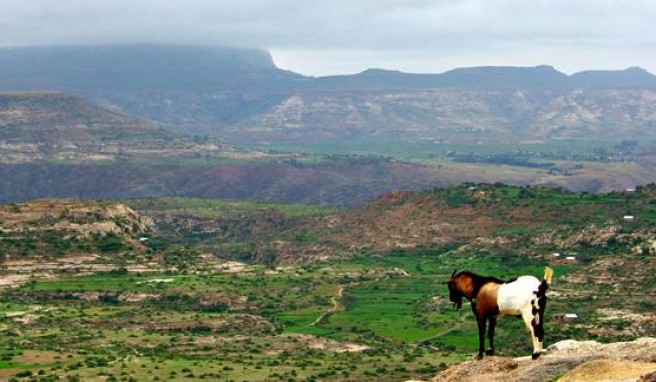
[
  {"x": 364, "y": 315},
  {"x": 395, "y": 316},
  {"x": 415, "y": 148}
]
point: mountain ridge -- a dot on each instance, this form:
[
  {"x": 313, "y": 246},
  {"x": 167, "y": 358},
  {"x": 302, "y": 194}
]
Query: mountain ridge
[
  {"x": 184, "y": 67},
  {"x": 241, "y": 93},
  {"x": 136, "y": 67}
]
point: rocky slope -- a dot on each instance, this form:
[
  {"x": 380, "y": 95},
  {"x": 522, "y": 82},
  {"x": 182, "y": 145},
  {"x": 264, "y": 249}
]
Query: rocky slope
[
  {"x": 566, "y": 361},
  {"x": 38, "y": 126},
  {"x": 55, "y": 227},
  {"x": 485, "y": 217},
  {"x": 456, "y": 114},
  {"x": 45, "y": 237}
]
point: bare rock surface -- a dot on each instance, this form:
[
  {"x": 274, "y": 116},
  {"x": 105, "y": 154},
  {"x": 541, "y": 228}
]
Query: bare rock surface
[{"x": 567, "y": 361}]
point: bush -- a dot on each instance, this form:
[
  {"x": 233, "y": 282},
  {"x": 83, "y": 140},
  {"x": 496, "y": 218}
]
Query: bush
[{"x": 110, "y": 243}]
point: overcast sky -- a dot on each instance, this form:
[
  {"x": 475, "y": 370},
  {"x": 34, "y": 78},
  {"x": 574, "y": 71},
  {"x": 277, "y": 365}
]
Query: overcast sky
[{"x": 348, "y": 36}]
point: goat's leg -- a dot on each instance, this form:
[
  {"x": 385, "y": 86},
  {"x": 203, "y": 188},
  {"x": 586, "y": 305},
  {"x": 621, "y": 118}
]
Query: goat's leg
[
  {"x": 539, "y": 330},
  {"x": 481, "y": 336},
  {"x": 490, "y": 333},
  {"x": 528, "y": 318}
]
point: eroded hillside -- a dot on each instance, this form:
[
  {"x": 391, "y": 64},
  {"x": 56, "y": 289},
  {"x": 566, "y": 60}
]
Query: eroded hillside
[
  {"x": 48, "y": 237},
  {"x": 51, "y": 126},
  {"x": 472, "y": 216},
  {"x": 456, "y": 114}
]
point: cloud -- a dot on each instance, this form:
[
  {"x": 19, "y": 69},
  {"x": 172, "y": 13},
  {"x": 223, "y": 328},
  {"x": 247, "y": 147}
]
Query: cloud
[{"x": 414, "y": 33}]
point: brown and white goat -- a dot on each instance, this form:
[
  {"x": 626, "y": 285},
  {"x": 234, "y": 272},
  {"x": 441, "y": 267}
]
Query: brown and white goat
[{"x": 491, "y": 297}]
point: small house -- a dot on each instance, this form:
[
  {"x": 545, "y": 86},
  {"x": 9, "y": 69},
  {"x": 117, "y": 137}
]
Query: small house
[
  {"x": 564, "y": 317},
  {"x": 628, "y": 218}
]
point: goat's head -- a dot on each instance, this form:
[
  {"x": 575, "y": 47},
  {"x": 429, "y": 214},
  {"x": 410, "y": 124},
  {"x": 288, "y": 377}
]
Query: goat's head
[{"x": 455, "y": 294}]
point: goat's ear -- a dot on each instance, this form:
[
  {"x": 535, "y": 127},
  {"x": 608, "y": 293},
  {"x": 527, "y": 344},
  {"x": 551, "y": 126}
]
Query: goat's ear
[{"x": 454, "y": 272}]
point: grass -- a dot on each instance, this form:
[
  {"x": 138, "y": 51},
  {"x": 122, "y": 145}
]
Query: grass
[
  {"x": 396, "y": 316},
  {"x": 388, "y": 313},
  {"x": 206, "y": 207},
  {"x": 103, "y": 283}
]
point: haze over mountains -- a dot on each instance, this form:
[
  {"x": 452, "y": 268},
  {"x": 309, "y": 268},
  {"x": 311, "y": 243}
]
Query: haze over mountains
[
  {"x": 240, "y": 96},
  {"x": 171, "y": 67}
]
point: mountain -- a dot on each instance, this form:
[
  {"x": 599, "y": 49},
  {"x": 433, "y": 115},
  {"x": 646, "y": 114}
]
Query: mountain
[
  {"x": 544, "y": 77},
  {"x": 633, "y": 77},
  {"x": 470, "y": 218},
  {"x": 60, "y": 145},
  {"x": 486, "y": 77},
  {"x": 160, "y": 67},
  {"x": 240, "y": 93},
  {"x": 145, "y": 67}
]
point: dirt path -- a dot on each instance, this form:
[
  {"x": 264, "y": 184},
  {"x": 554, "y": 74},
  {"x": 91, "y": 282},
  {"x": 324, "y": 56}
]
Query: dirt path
[{"x": 336, "y": 306}]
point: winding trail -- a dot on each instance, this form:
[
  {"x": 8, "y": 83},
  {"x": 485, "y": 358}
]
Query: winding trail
[{"x": 336, "y": 306}]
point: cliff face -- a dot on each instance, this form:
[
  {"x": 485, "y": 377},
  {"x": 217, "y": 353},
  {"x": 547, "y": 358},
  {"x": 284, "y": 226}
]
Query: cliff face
[{"x": 139, "y": 67}]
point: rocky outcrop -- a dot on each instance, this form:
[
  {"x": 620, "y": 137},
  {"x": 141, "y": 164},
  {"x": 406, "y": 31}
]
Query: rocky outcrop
[
  {"x": 73, "y": 217},
  {"x": 572, "y": 361}
]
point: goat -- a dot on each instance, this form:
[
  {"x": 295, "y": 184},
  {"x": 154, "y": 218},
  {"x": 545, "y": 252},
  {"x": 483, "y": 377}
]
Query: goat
[{"x": 491, "y": 297}]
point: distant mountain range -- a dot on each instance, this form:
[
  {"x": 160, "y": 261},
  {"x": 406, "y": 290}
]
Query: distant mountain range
[
  {"x": 105, "y": 121},
  {"x": 241, "y": 95},
  {"x": 192, "y": 68},
  {"x": 494, "y": 77}
]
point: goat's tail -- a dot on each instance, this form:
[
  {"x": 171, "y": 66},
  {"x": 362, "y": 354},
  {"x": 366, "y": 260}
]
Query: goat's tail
[{"x": 548, "y": 275}]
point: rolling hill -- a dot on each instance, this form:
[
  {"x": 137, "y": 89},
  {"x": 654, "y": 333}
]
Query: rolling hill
[{"x": 52, "y": 126}]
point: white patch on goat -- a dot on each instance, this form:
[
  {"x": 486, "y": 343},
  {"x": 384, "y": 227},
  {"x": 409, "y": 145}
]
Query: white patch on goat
[
  {"x": 515, "y": 297},
  {"x": 518, "y": 298}
]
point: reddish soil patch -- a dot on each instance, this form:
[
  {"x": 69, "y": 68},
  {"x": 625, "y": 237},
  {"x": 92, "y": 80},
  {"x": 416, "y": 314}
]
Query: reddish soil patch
[{"x": 32, "y": 357}]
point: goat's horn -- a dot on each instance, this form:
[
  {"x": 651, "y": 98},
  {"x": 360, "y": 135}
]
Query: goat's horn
[{"x": 454, "y": 272}]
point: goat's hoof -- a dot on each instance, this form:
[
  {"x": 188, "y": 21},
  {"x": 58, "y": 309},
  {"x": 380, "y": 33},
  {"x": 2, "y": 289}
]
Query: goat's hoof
[
  {"x": 480, "y": 355},
  {"x": 535, "y": 355},
  {"x": 489, "y": 352}
]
